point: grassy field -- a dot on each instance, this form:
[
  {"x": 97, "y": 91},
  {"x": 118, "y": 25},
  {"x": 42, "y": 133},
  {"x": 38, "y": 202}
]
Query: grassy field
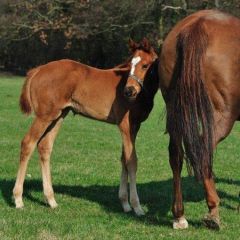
[{"x": 86, "y": 170}]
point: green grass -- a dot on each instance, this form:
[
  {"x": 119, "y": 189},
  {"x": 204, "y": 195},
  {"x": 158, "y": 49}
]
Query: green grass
[{"x": 86, "y": 170}]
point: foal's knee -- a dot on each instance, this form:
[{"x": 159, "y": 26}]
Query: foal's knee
[{"x": 131, "y": 166}]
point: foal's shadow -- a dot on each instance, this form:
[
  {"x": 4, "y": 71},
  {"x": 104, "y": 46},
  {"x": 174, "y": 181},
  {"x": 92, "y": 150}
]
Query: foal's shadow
[{"x": 155, "y": 196}]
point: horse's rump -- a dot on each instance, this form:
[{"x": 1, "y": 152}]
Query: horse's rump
[{"x": 190, "y": 115}]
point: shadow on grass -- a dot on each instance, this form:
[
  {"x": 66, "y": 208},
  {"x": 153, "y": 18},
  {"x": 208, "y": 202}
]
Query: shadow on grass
[{"x": 156, "y": 196}]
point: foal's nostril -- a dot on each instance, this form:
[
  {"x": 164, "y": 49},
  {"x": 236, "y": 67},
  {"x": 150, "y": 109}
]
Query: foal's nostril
[{"x": 129, "y": 92}]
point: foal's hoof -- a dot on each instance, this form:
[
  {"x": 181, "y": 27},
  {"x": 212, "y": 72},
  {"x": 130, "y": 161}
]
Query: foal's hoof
[
  {"x": 126, "y": 207},
  {"x": 53, "y": 204},
  {"x": 180, "y": 223},
  {"x": 19, "y": 204},
  {"x": 139, "y": 211},
  {"x": 212, "y": 222}
]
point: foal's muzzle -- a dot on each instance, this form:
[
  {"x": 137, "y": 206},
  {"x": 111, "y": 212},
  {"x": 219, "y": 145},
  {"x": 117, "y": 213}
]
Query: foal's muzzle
[{"x": 130, "y": 93}]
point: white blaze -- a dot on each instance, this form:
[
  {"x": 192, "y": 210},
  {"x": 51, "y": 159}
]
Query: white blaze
[{"x": 134, "y": 62}]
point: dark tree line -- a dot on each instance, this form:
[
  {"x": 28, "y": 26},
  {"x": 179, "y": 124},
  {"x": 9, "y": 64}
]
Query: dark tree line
[{"x": 94, "y": 32}]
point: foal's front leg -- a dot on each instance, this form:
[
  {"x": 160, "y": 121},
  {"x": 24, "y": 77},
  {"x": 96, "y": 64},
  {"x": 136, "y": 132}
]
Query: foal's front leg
[
  {"x": 129, "y": 165},
  {"x": 123, "y": 189}
]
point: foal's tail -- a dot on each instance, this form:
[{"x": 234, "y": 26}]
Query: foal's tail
[
  {"x": 190, "y": 118},
  {"x": 25, "y": 99}
]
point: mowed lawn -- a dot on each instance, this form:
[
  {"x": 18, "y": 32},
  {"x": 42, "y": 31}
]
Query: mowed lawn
[{"x": 86, "y": 171}]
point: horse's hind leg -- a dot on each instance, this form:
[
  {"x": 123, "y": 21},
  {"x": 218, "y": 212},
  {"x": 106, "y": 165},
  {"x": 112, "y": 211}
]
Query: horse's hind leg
[
  {"x": 212, "y": 219},
  {"x": 27, "y": 147},
  {"x": 45, "y": 148},
  {"x": 176, "y": 162},
  {"x": 222, "y": 128},
  {"x": 130, "y": 161}
]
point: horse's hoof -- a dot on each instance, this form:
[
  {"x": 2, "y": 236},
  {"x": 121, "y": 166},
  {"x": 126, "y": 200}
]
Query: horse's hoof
[
  {"x": 19, "y": 204},
  {"x": 52, "y": 203},
  {"x": 126, "y": 208},
  {"x": 212, "y": 222},
  {"x": 139, "y": 211},
  {"x": 180, "y": 223}
]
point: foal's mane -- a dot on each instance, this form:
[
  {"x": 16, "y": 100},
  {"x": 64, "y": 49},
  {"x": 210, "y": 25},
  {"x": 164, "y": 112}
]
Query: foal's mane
[{"x": 125, "y": 64}]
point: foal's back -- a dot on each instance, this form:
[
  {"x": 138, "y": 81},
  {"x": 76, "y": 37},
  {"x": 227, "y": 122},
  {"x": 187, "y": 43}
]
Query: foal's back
[{"x": 66, "y": 83}]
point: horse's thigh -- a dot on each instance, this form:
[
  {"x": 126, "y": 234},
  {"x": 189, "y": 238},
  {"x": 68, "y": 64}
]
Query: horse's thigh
[{"x": 223, "y": 125}]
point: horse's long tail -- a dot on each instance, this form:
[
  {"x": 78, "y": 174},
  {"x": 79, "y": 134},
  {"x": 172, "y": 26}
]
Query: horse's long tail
[
  {"x": 190, "y": 117},
  {"x": 25, "y": 98}
]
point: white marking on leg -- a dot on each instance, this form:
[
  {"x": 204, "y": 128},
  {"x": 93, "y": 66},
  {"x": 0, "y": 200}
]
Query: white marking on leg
[
  {"x": 123, "y": 190},
  {"x": 134, "y": 199},
  {"x": 180, "y": 223}
]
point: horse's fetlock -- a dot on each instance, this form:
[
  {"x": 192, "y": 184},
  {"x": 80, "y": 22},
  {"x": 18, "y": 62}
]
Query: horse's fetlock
[{"x": 134, "y": 202}]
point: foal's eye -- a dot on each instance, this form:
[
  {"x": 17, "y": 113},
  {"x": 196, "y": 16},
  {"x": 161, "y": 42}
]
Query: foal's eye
[{"x": 145, "y": 66}]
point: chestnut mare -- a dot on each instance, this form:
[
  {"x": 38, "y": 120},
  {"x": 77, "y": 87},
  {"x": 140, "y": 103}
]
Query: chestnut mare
[
  {"x": 199, "y": 76},
  {"x": 54, "y": 89},
  {"x": 200, "y": 82}
]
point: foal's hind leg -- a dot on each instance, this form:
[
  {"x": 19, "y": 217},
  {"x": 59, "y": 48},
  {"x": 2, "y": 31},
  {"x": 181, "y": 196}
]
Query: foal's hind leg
[
  {"x": 27, "y": 147},
  {"x": 129, "y": 133},
  {"x": 45, "y": 148}
]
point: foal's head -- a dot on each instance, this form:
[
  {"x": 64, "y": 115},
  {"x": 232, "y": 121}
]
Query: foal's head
[{"x": 143, "y": 55}]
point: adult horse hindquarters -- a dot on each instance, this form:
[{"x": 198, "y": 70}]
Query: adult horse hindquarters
[
  {"x": 52, "y": 90},
  {"x": 199, "y": 74}
]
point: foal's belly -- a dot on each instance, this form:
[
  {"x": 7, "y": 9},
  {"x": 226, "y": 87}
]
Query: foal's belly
[{"x": 99, "y": 109}]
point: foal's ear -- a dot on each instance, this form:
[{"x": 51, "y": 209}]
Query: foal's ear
[
  {"x": 146, "y": 44},
  {"x": 132, "y": 45}
]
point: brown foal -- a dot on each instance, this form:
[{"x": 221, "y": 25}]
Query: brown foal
[
  {"x": 199, "y": 76},
  {"x": 54, "y": 89}
]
